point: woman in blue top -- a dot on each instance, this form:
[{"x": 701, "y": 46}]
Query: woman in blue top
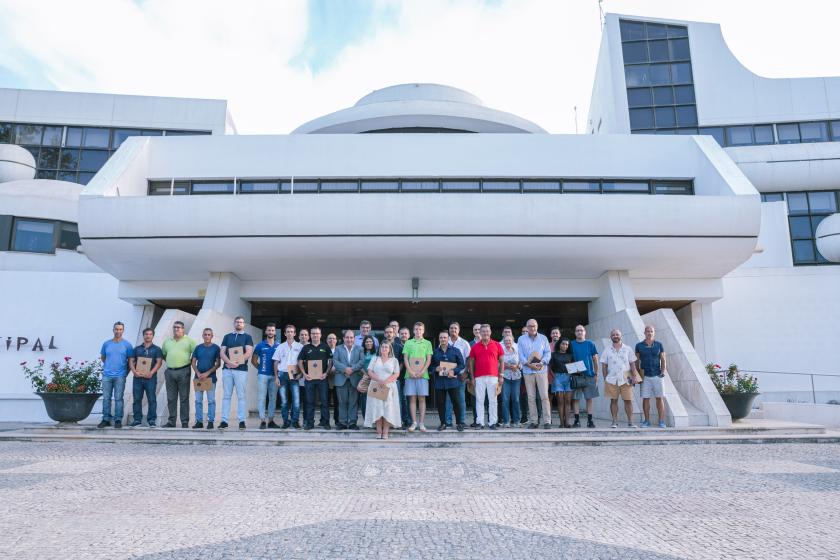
[
  {"x": 369, "y": 350},
  {"x": 561, "y": 386}
]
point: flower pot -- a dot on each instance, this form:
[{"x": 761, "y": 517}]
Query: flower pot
[
  {"x": 738, "y": 404},
  {"x": 69, "y": 407}
]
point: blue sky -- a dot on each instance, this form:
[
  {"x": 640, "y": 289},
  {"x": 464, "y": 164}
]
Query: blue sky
[{"x": 281, "y": 63}]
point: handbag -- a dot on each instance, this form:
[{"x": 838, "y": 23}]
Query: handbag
[
  {"x": 364, "y": 384},
  {"x": 578, "y": 381}
]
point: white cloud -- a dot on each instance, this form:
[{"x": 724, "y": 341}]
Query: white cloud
[{"x": 530, "y": 57}]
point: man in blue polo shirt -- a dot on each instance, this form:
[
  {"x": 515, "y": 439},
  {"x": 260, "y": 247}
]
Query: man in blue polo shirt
[
  {"x": 235, "y": 373},
  {"x": 114, "y": 355},
  {"x": 266, "y": 383},
  {"x": 206, "y": 359}
]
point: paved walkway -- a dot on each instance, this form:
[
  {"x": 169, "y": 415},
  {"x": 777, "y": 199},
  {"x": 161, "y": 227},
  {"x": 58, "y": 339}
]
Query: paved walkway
[{"x": 95, "y": 500}]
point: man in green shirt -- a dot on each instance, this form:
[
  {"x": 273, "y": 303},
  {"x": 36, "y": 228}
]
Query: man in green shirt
[
  {"x": 177, "y": 351},
  {"x": 417, "y": 354}
]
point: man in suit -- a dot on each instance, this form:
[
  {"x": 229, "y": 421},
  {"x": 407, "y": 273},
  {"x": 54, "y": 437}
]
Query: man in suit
[{"x": 348, "y": 360}]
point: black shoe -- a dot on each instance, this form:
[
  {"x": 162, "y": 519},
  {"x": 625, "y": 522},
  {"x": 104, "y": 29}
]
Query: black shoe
[
  {"x": 576, "y": 424},
  {"x": 590, "y": 423},
  {"x": 307, "y": 427},
  {"x": 185, "y": 424},
  {"x": 262, "y": 425},
  {"x": 169, "y": 425},
  {"x": 273, "y": 425},
  {"x": 296, "y": 425},
  {"x": 152, "y": 425},
  {"x": 324, "y": 426},
  {"x": 479, "y": 426},
  {"x": 546, "y": 426},
  {"x": 340, "y": 427},
  {"x": 198, "y": 425},
  {"x": 351, "y": 427},
  {"x": 103, "y": 424},
  {"x": 474, "y": 425},
  {"x": 242, "y": 425},
  {"x": 494, "y": 427},
  {"x": 460, "y": 427},
  {"x": 532, "y": 426},
  {"x": 118, "y": 424},
  {"x": 286, "y": 425},
  {"x": 135, "y": 424},
  {"x": 441, "y": 428},
  {"x": 210, "y": 425},
  {"x": 223, "y": 425}
]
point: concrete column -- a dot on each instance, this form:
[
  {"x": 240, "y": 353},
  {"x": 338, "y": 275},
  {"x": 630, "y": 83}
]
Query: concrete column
[{"x": 615, "y": 294}]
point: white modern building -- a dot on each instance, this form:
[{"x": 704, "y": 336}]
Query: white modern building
[{"x": 421, "y": 203}]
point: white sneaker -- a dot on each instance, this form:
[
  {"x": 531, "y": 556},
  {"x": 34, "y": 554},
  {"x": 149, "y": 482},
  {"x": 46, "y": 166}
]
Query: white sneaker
[
  {"x": 412, "y": 427},
  {"x": 632, "y": 425},
  {"x": 422, "y": 428},
  {"x": 614, "y": 425}
]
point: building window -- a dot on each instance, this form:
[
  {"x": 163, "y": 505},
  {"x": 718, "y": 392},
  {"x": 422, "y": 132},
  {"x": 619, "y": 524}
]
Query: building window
[
  {"x": 806, "y": 209},
  {"x": 259, "y": 187},
  {"x": 212, "y": 187},
  {"x": 339, "y": 186},
  {"x": 68, "y": 237},
  {"x": 33, "y": 236}
]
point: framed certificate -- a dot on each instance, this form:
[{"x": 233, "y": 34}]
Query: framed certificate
[
  {"x": 416, "y": 365},
  {"x": 378, "y": 390},
  {"x": 143, "y": 367},
  {"x": 236, "y": 355},
  {"x": 446, "y": 367},
  {"x": 315, "y": 369},
  {"x": 205, "y": 384}
]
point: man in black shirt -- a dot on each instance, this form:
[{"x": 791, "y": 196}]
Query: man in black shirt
[{"x": 316, "y": 350}]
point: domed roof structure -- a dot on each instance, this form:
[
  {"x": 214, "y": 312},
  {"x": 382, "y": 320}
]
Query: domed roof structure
[
  {"x": 418, "y": 108},
  {"x": 16, "y": 163}
]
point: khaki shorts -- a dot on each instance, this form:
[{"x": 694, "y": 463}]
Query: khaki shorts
[{"x": 611, "y": 391}]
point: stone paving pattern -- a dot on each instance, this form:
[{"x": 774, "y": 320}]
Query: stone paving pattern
[{"x": 92, "y": 500}]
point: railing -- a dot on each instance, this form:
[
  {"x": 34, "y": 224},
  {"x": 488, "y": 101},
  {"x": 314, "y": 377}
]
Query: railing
[{"x": 811, "y": 377}]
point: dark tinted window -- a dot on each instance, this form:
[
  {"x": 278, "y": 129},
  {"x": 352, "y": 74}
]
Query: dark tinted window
[
  {"x": 639, "y": 97},
  {"x": 641, "y": 118},
  {"x": 635, "y": 52},
  {"x": 764, "y": 134},
  {"x": 68, "y": 236},
  {"x": 813, "y": 131}
]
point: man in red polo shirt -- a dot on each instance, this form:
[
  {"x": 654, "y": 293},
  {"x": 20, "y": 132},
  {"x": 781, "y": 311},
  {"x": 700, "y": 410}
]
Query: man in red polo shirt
[{"x": 486, "y": 367}]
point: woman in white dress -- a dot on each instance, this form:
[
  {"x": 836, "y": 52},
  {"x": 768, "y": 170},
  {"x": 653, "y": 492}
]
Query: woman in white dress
[{"x": 384, "y": 369}]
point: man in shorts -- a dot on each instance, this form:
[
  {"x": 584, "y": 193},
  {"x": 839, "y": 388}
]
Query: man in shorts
[
  {"x": 651, "y": 359},
  {"x": 619, "y": 369}
]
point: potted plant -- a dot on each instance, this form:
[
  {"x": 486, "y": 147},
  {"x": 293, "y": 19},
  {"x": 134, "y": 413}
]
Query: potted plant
[
  {"x": 738, "y": 390},
  {"x": 69, "y": 390}
]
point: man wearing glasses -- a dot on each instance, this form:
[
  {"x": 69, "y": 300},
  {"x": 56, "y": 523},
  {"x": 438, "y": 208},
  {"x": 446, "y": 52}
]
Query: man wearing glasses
[{"x": 177, "y": 351}]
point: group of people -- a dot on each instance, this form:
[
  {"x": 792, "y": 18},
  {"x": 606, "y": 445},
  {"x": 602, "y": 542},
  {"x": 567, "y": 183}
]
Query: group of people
[{"x": 387, "y": 380}]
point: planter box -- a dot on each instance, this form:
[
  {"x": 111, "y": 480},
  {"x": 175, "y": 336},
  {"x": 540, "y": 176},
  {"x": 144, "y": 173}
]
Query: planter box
[
  {"x": 739, "y": 404},
  {"x": 69, "y": 407}
]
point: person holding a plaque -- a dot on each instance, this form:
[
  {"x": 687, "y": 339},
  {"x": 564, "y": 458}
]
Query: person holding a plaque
[
  {"x": 206, "y": 359},
  {"x": 145, "y": 364},
  {"x": 486, "y": 365},
  {"x": 585, "y": 351},
  {"x": 348, "y": 361},
  {"x": 266, "y": 381},
  {"x": 417, "y": 355},
  {"x": 236, "y": 351},
  {"x": 534, "y": 354},
  {"x": 314, "y": 361},
  {"x": 448, "y": 368},
  {"x": 177, "y": 351},
  {"x": 651, "y": 359},
  {"x": 561, "y": 386},
  {"x": 383, "y": 408},
  {"x": 286, "y": 374},
  {"x": 511, "y": 411}
]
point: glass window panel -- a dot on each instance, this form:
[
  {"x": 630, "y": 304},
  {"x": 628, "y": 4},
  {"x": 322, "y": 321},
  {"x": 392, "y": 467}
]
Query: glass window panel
[
  {"x": 250, "y": 187},
  {"x": 764, "y": 134},
  {"x": 69, "y": 159},
  {"x": 635, "y": 52},
  {"x": 835, "y": 130},
  {"x": 84, "y": 178},
  {"x": 500, "y": 186},
  {"x": 803, "y": 251},
  {"x": 663, "y": 95},
  {"x": 797, "y": 203},
  {"x": 29, "y": 134},
  {"x": 660, "y": 74},
  {"x": 641, "y": 118},
  {"x": 658, "y": 51},
  {"x": 800, "y": 227},
  {"x": 68, "y": 237},
  {"x": 687, "y": 131},
  {"x": 380, "y": 186},
  {"x": 815, "y": 222},
  {"x": 181, "y": 187},
  {"x": 5, "y": 133},
  {"x": 35, "y": 151},
  {"x": 97, "y": 137},
  {"x": 541, "y": 186},
  {"x": 157, "y": 188},
  {"x": 92, "y": 160},
  {"x": 581, "y": 186},
  {"x": 814, "y": 131},
  {"x": 671, "y": 187},
  {"x": 822, "y": 202},
  {"x": 121, "y": 134},
  {"x": 33, "y": 236},
  {"x": 66, "y": 176},
  {"x": 677, "y": 31},
  {"x": 788, "y": 133},
  {"x": 716, "y": 132},
  {"x": 304, "y": 187},
  {"x": 772, "y": 197},
  {"x": 339, "y": 186},
  {"x": 48, "y": 159},
  {"x": 460, "y": 186},
  {"x": 44, "y": 174},
  {"x": 740, "y": 135},
  {"x": 420, "y": 186},
  {"x": 656, "y": 31},
  {"x": 687, "y": 115},
  {"x": 152, "y": 133},
  {"x": 626, "y": 187},
  {"x": 639, "y": 97},
  {"x": 632, "y": 30},
  {"x": 636, "y": 76},
  {"x": 52, "y": 135},
  {"x": 74, "y": 136},
  {"x": 212, "y": 188},
  {"x": 679, "y": 49},
  {"x": 681, "y": 73},
  {"x": 665, "y": 117},
  {"x": 684, "y": 94}
]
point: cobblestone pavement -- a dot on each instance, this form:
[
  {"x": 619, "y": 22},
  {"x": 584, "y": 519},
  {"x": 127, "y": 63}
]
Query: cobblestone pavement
[{"x": 90, "y": 500}]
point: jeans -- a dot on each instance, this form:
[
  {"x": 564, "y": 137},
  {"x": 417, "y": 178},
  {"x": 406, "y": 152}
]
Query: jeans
[
  {"x": 292, "y": 386},
  {"x": 178, "y": 389},
  {"x": 485, "y": 386},
  {"x": 139, "y": 386},
  {"x": 348, "y": 399},
  {"x": 211, "y": 405},
  {"x": 462, "y": 400},
  {"x": 266, "y": 387},
  {"x": 453, "y": 394},
  {"x": 115, "y": 385},
  {"x": 406, "y": 415},
  {"x": 510, "y": 401},
  {"x": 234, "y": 378},
  {"x": 537, "y": 383},
  {"x": 323, "y": 389}
]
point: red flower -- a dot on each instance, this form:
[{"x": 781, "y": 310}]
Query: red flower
[{"x": 66, "y": 358}]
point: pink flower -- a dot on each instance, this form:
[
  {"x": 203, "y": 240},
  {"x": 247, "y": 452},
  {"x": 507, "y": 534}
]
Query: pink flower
[
  {"x": 40, "y": 360},
  {"x": 23, "y": 363},
  {"x": 66, "y": 358}
]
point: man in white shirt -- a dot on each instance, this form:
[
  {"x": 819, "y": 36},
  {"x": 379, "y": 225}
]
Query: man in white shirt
[
  {"x": 618, "y": 363},
  {"x": 285, "y": 366}
]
